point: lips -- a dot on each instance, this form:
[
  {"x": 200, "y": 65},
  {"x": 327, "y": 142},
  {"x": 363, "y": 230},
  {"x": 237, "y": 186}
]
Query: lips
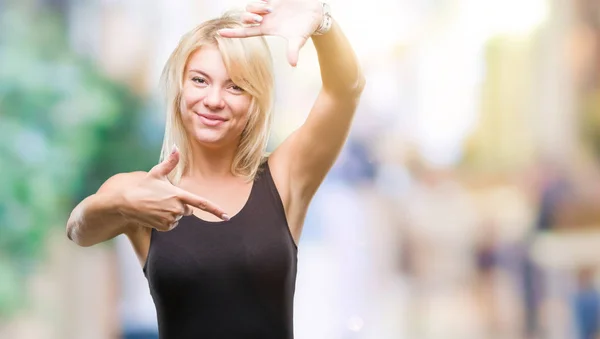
[
  {"x": 212, "y": 116},
  {"x": 211, "y": 120}
]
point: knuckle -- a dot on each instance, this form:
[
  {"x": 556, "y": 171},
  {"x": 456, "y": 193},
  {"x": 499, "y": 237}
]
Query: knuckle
[
  {"x": 153, "y": 171},
  {"x": 178, "y": 210},
  {"x": 166, "y": 221}
]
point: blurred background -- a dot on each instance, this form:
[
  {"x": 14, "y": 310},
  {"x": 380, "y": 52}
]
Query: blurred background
[{"x": 464, "y": 204}]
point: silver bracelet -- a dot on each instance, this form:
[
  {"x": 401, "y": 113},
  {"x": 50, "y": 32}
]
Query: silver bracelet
[{"x": 325, "y": 25}]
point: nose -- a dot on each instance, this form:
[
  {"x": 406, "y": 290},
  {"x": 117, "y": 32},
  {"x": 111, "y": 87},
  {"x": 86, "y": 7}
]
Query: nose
[{"x": 213, "y": 98}]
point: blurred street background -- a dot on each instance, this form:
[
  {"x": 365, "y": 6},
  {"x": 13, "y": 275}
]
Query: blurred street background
[{"x": 464, "y": 205}]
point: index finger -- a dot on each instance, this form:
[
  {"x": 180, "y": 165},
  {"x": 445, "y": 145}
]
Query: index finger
[
  {"x": 242, "y": 32},
  {"x": 201, "y": 203}
]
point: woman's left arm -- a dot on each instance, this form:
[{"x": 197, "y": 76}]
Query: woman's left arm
[
  {"x": 311, "y": 150},
  {"x": 304, "y": 158}
]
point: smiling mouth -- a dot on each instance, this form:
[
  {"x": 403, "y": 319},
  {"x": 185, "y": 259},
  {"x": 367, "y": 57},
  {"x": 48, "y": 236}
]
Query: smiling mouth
[
  {"x": 211, "y": 116},
  {"x": 211, "y": 119}
]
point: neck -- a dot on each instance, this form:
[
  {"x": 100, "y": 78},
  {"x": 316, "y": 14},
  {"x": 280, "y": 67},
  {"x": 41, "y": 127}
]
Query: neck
[{"x": 210, "y": 163}]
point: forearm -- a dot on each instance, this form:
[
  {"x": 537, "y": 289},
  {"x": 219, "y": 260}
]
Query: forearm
[
  {"x": 340, "y": 69},
  {"x": 96, "y": 219}
]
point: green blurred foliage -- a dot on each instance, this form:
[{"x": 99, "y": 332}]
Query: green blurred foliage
[{"x": 64, "y": 129}]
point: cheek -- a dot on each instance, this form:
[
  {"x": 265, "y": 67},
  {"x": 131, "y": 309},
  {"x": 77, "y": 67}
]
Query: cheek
[
  {"x": 189, "y": 97},
  {"x": 185, "y": 108},
  {"x": 240, "y": 107}
]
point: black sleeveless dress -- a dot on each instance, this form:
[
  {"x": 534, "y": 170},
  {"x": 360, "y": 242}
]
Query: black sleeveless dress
[{"x": 227, "y": 279}]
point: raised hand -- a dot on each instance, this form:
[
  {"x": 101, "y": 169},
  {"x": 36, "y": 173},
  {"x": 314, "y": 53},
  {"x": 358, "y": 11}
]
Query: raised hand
[
  {"x": 294, "y": 20},
  {"x": 155, "y": 202}
]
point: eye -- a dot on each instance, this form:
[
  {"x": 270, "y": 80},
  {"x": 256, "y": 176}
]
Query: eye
[
  {"x": 237, "y": 88},
  {"x": 199, "y": 80}
]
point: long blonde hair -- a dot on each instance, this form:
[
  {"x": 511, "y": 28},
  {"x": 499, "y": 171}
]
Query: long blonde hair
[{"x": 249, "y": 64}]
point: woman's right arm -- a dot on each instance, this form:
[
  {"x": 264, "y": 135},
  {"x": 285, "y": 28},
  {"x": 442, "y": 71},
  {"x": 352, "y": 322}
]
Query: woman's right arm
[
  {"x": 128, "y": 201},
  {"x": 99, "y": 217}
]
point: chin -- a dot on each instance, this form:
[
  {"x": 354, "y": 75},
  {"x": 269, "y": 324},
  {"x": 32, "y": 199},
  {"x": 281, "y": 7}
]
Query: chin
[{"x": 210, "y": 138}]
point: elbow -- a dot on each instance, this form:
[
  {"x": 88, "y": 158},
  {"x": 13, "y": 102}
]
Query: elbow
[
  {"x": 360, "y": 85},
  {"x": 73, "y": 235},
  {"x": 355, "y": 91},
  {"x": 357, "y": 87},
  {"x": 349, "y": 91}
]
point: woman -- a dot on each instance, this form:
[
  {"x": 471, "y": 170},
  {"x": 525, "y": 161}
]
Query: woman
[{"x": 228, "y": 269}]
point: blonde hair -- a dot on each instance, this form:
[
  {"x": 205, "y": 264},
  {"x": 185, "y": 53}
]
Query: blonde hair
[{"x": 249, "y": 64}]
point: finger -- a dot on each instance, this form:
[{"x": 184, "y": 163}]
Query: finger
[
  {"x": 167, "y": 165},
  {"x": 201, "y": 203},
  {"x": 162, "y": 227},
  {"x": 251, "y": 18},
  {"x": 243, "y": 32},
  {"x": 294, "y": 46},
  {"x": 187, "y": 210},
  {"x": 259, "y": 7},
  {"x": 162, "y": 224}
]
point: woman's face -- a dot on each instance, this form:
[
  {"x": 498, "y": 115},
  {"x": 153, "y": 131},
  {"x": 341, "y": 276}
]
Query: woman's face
[{"x": 214, "y": 109}]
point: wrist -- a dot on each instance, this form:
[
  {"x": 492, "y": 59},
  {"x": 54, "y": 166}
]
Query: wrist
[
  {"x": 120, "y": 206},
  {"x": 326, "y": 19}
]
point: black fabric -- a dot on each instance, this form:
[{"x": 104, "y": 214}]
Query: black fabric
[{"x": 229, "y": 279}]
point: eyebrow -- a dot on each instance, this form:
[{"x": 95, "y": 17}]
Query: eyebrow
[{"x": 205, "y": 75}]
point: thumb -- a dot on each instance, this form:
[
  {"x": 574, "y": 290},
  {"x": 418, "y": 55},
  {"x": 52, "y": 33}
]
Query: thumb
[
  {"x": 294, "y": 46},
  {"x": 167, "y": 165}
]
